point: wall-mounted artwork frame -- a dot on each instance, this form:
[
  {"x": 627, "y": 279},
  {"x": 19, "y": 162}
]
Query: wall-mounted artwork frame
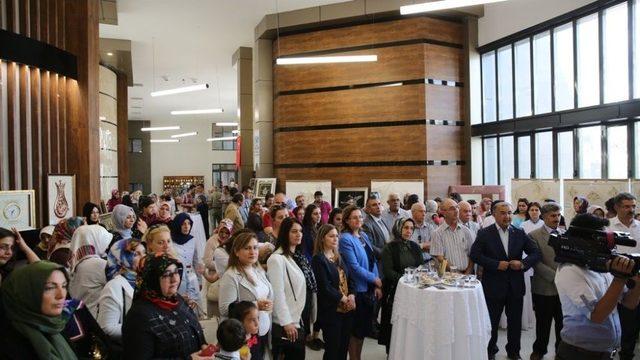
[
  {"x": 264, "y": 186},
  {"x": 355, "y": 195},
  {"x": 61, "y": 196},
  {"x": 18, "y": 209}
]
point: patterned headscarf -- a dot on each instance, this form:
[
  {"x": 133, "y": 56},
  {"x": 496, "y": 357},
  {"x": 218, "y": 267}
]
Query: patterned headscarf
[
  {"x": 89, "y": 241},
  {"x": 150, "y": 270},
  {"x": 120, "y": 260},
  {"x": 176, "y": 229},
  {"x": 225, "y": 224},
  {"x": 63, "y": 232},
  {"x": 584, "y": 204},
  {"x": 118, "y": 216},
  {"x": 397, "y": 228},
  {"x": 114, "y": 192}
]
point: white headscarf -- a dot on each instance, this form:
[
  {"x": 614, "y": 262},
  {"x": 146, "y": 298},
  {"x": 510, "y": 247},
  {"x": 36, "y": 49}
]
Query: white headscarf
[
  {"x": 118, "y": 216},
  {"x": 89, "y": 241}
]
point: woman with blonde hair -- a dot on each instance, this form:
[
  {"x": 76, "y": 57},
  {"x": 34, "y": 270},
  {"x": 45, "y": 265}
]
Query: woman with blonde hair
[{"x": 158, "y": 239}]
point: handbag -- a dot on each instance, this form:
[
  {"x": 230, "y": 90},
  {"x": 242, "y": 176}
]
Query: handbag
[
  {"x": 279, "y": 336},
  {"x": 213, "y": 292}
]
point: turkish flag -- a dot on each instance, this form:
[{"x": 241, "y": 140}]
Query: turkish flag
[{"x": 238, "y": 162}]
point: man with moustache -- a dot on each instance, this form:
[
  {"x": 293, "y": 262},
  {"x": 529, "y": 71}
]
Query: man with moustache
[{"x": 466, "y": 218}]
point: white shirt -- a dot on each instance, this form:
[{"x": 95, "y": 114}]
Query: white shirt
[
  {"x": 633, "y": 229},
  {"x": 220, "y": 260},
  {"x": 453, "y": 244},
  {"x": 289, "y": 289},
  {"x": 550, "y": 230},
  {"x": 262, "y": 290},
  {"x": 87, "y": 282},
  {"x": 390, "y": 218},
  {"x": 488, "y": 221},
  {"x": 504, "y": 238},
  {"x": 110, "y": 310},
  {"x": 528, "y": 226}
]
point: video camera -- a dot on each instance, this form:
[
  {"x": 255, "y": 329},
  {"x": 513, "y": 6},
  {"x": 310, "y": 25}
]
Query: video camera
[{"x": 592, "y": 248}]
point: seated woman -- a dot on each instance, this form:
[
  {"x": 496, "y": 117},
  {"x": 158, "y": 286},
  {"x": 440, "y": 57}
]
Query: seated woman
[
  {"x": 159, "y": 323},
  {"x": 117, "y": 296},
  {"x": 397, "y": 255},
  {"x": 61, "y": 238},
  {"x": 8, "y": 242},
  {"x": 31, "y": 319},
  {"x": 91, "y": 214}
]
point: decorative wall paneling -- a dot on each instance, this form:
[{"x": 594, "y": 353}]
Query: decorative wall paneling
[{"x": 400, "y": 117}]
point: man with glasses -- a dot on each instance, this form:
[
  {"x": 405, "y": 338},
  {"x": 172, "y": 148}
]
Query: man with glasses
[
  {"x": 452, "y": 240},
  {"x": 394, "y": 211}
]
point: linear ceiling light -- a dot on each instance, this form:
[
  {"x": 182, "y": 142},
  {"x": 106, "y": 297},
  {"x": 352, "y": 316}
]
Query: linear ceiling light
[
  {"x": 180, "y": 90},
  {"x": 442, "y": 5},
  {"x": 164, "y": 140},
  {"x": 160, "y": 128},
  {"x": 223, "y": 138},
  {"x": 227, "y": 124},
  {"x": 196, "y": 112},
  {"x": 326, "y": 59},
  {"x": 184, "y": 135},
  {"x": 103, "y": 118}
]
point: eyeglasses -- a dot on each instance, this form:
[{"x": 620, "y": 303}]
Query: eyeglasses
[
  {"x": 6, "y": 247},
  {"x": 169, "y": 274}
]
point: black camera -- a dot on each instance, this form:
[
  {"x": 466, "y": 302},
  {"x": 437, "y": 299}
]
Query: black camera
[{"x": 592, "y": 248}]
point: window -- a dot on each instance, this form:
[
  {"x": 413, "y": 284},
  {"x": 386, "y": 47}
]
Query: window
[
  {"x": 135, "y": 187},
  {"x": 135, "y": 145},
  {"x": 223, "y": 131},
  {"x": 615, "y": 54},
  {"x": 489, "y": 87},
  {"x": 542, "y": 73},
  {"x": 565, "y": 155},
  {"x": 617, "y": 152},
  {"x": 563, "y": 66},
  {"x": 637, "y": 148},
  {"x": 224, "y": 174},
  {"x": 588, "y": 61},
  {"x": 505, "y": 84},
  {"x": 506, "y": 160},
  {"x": 544, "y": 155},
  {"x": 490, "y": 161},
  {"x": 590, "y": 148},
  {"x": 636, "y": 51},
  {"x": 523, "y": 77},
  {"x": 524, "y": 157}
]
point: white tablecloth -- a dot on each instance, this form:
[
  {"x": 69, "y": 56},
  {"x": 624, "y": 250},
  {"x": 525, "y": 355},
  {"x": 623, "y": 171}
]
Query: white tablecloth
[{"x": 451, "y": 324}]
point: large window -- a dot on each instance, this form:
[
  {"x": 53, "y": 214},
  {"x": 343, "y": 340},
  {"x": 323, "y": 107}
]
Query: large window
[
  {"x": 617, "y": 152},
  {"x": 490, "y": 161},
  {"x": 505, "y": 84},
  {"x": 565, "y": 155},
  {"x": 563, "y": 66},
  {"x": 615, "y": 54},
  {"x": 524, "y": 157},
  {"x": 588, "y": 61},
  {"x": 522, "y": 59},
  {"x": 506, "y": 160},
  {"x": 544, "y": 155},
  {"x": 224, "y": 174},
  {"x": 542, "y": 73},
  {"x": 590, "y": 148},
  {"x": 489, "y": 87},
  {"x": 223, "y": 131}
]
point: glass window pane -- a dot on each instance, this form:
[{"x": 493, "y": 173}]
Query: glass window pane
[
  {"x": 588, "y": 62},
  {"x": 617, "y": 152},
  {"x": 524, "y": 157},
  {"x": 636, "y": 52},
  {"x": 590, "y": 147},
  {"x": 505, "y": 84},
  {"x": 542, "y": 73},
  {"x": 523, "y": 77},
  {"x": 615, "y": 51},
  {"x": 490, "y": 162},
  {"x": 565, "y": 155},
  {"x": 489, "y": 87},
  {"x": 544, "y": 155},
  {"x": 563, "y": 66},
  {"x": 506, "y": 160}
]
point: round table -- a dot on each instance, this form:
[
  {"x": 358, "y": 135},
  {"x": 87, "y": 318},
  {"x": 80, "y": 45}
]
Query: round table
[{"x": 439, "y": 324}]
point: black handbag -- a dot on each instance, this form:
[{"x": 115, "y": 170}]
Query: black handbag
[{"x": 279, "y": 336}]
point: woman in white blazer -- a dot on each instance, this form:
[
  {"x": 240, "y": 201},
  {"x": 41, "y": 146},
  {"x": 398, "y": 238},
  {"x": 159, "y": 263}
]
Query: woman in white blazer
[
  {"x": 290, "y": 292},
  {"x": 245, "y": 280}
]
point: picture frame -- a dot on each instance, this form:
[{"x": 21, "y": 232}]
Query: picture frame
[
  {"x": 264, "y": 186},
  {"x": 356, "y": 195},
  {"x": 61, "y": 196},
  {"x": 18, "y": 209},
  {"x": 307, "y": 188}
]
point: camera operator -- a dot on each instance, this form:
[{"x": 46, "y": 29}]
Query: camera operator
[
  {"x": 625, "y": 206},
  {"x": 591, "y": 326}
]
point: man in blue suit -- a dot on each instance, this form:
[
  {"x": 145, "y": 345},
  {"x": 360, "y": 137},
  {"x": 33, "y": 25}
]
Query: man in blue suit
[{"x": 498, "y": 249}]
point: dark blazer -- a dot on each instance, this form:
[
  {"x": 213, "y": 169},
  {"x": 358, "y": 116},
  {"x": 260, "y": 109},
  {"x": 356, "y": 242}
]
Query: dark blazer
[
  {"x": 375, "y": 234},
  {"x": 487, "y": 251},
  {"x": 329, "y": 295}
]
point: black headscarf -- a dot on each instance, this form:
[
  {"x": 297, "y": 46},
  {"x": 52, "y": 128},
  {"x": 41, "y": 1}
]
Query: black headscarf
[
  {"x": 86, "y": 212},
  {"x": 176, "y": 229},
  {"x": 149, "y": 272}
]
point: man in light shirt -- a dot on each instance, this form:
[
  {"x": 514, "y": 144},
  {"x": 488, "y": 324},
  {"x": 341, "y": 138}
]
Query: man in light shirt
[
  {"x": 394, "y": 212},
  {"x": 625, "y": 206},
  {"x": 452, "y": 240},
  {"x": 466, "y": 218},
  {"x": 374, "y": 227}
]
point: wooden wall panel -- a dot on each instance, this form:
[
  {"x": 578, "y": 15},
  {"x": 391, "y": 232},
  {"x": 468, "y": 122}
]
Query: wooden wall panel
[
  {"x": 444, "y": 103},
  {"x": 54, "y": 134},
  {"x": 12, "y": 99},
  {"x": 444, "y": 142},
  {"x": 368, "y": 34},
  {"x": 46, "y": 124},
  {"x": 44, "y": 23},
  {"x": 36, "y": 141},
  {"x": 440, "y": 177},
  {"x": 24, "y": 120},
  {"x": 351, "y": 106},
  {"x": 394, "y": 64},
  {"x": 443, "y": 63},
  {"x": 392, "y": 143},
  {"x": 34, "y": 19}
]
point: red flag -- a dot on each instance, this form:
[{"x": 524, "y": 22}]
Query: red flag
[{"x": 238, "y": 162}]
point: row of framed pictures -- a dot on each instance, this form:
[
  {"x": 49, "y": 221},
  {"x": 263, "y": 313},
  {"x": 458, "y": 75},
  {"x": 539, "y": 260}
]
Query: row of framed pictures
[{"x": 18, "y": 207}]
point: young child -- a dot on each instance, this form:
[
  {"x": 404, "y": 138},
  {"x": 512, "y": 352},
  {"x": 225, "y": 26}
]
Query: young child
[
  {"x": 231, "y": 337},
  {"x": 247, "y": 313}
]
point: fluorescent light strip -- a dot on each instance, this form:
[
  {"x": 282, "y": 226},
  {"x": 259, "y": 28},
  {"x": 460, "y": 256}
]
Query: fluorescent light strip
[
  {"x": 223, "y": 138},
  {"x": 103, "y": 118},
  {"x": 195, "y": 112},
  {"x": 442, "y": 5},
  {"x": 227, "y": 124},
  {"x": 164, "y": 140},
  {"x": 326, "y": 59},
  {"x": 184, "y": 135},
  {"x": 180, "y": 90},
  {"x": 160, "y": 128}
]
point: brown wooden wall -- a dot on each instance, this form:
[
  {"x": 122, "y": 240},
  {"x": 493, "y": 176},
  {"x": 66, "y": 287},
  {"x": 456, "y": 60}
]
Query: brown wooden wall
[
  {"x": 51, "y": 121},
  {"x": 401, "y": 117}
]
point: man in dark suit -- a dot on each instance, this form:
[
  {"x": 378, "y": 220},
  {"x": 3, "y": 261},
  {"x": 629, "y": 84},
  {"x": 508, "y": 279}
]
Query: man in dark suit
[
  {"x": 498, "y": 249},
  {"x": 375, "y": 228}
]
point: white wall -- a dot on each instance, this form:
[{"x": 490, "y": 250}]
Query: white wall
[
  {"x": 191, "y": 156},
  {"x": 508, "y": 17}
]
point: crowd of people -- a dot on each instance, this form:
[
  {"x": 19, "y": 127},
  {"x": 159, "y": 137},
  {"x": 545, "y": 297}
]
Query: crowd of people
[{"x": 283, "y": 275}]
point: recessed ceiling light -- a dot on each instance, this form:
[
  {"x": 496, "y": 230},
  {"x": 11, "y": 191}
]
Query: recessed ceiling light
[
  {"x": 326, "y": 59},
  {"x": 195, "y": 112},
  {"x": 180, "y": 90},
  {"x": 227, "y": 124},
  {"x": 102, "y": 118},
  {"x": 160, "y": 128},
  {"x": 442, "y": 5},
  {"x": 223, "y": 138},
  {"x": 109, "y": 54},
  {"x": 164, "y": 140},
  {"x": 184, "y": 135}
]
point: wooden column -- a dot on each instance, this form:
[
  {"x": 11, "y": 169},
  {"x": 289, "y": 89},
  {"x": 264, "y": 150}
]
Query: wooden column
[{"x": 123, "y": 132}]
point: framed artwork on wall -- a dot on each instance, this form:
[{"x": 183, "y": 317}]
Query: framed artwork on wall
[
  {"x": 18, "y": 209},
  {"x": 265, "y": 186},
  {"x": 350, "y": 196},
  {"x": 61, "y": 196}
]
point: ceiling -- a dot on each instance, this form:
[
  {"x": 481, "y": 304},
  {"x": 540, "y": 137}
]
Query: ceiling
[{"x": 176, "y": 43}]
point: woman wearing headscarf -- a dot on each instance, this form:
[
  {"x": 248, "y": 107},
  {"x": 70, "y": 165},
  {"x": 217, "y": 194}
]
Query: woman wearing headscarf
[
  {"x": 159, "y": 323},
  {"x": 123, "y": 218},
  {"x": 91, "y": 213},
  {"x": 580, "y": 204},
  {"x": 185, "y": 249},
  {"x": 117, "y": 296},
  {"x": 397, "y": 255},
  {"x": 596, "y": 210},
  {"x": 88, "y": 249},
  {"x": 43, "y": 245},
  {"x": 31, "y": 320},
  {"x": 164, "y": 212},
  {"x": 216, "y": 258},
  {"x": 115, "y": 200},
  {"x": 62, "y": 233},
  {"x": 8, "y": 241}
]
